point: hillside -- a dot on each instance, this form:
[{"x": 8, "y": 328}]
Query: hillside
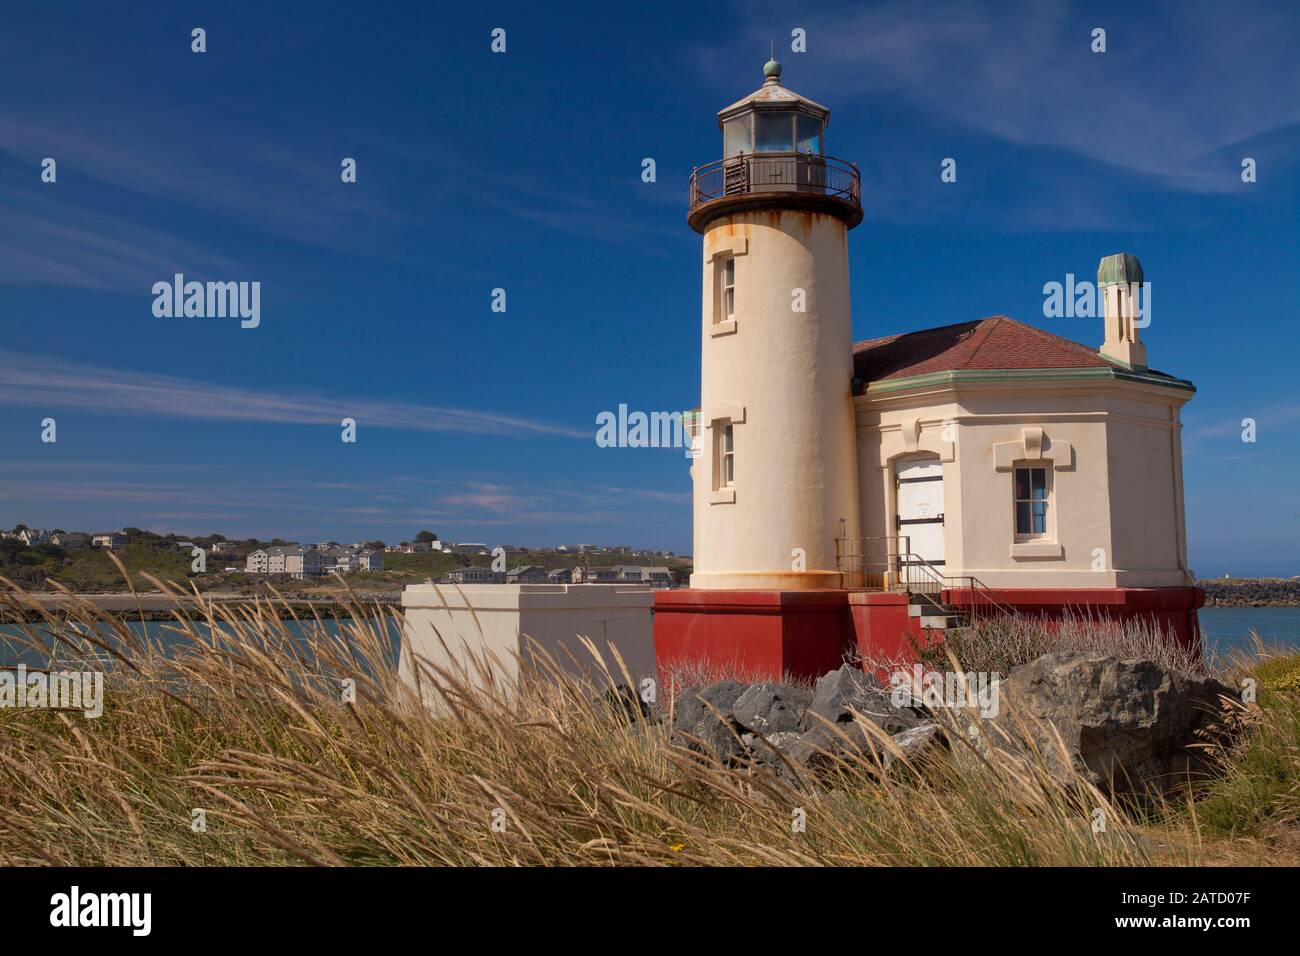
[{"x": 91, "y": 570}]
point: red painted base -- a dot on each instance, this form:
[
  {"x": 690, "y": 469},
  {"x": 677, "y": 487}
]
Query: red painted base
[
  {"x": 1170, "y": 610},
  {"x": 759, "y": 634},
  {"x": 771, "y": 634}
]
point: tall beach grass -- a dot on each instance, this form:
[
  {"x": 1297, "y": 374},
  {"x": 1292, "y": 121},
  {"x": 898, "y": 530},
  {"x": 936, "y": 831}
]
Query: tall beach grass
[{"x": 307, "y": 749}]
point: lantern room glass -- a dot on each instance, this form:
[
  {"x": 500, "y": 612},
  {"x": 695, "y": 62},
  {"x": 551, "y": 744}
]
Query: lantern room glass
[
  {"x": 737, "y": 135},
  {"x": 808, "y": 134},
  {"x": 773, "y": 132}
]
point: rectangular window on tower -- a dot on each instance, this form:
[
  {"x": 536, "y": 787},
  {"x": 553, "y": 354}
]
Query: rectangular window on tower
[
  {"x": 724, "y": 294},
  {"x": 726, "y": 456},
  {"x": 729, "y": 288},
  {"x": 1032, "y": 495}
]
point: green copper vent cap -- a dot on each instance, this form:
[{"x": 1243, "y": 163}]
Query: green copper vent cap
[{"x": 1119, "y": 269}]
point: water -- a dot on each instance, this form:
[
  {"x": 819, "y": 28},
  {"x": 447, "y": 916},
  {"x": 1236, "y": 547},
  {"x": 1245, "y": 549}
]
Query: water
[
  {"x": 163, "y": 632},
  {"x": 1226, "y": 628},
  {"x": 1223, "y": 628}
]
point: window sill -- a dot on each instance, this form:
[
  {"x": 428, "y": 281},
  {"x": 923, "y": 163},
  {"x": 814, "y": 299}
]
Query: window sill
[
  {"x": 1036, "y": 549},
  {"x": 723, "y": 496},
  {"x": 723, "y": 328}
]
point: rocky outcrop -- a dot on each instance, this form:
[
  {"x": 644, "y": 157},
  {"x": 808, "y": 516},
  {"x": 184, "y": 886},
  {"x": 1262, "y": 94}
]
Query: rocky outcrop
[
  {"x": 1127, "y": 725},
  {"x": 703, "y": 719},
  {"x": 1266, "y": 592},
  {"x": 1124, "y": 725},
  {"x": 770, "y": 708},
  {"x": 841, "y": 693},
  {"x": 782, "y": 726}
]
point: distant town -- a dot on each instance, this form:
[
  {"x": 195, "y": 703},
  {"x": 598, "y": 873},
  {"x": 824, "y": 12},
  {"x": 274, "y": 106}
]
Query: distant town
[{"x": 33, "y": 555}]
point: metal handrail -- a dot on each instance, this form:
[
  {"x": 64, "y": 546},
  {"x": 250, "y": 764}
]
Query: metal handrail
[
  {"x": 915, "y": 573},
  {"x": 754, "y": 173},
  {"x": 873, "y": 554},
  {"x": 979, "y": 592}
]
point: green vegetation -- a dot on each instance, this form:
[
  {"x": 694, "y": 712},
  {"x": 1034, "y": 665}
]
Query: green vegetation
[
  {"x": 29, "y": 567},
  {"x": 1259, "y": 794},
  {"x": 422, "y": 564},
  {"x": 91, "y": 569}
]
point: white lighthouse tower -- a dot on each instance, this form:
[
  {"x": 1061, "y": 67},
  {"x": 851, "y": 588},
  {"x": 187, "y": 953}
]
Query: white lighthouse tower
[{"x": 775, "y": 480}]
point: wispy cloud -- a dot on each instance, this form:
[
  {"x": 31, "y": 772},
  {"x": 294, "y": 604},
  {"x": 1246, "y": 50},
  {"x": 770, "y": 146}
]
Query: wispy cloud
[
  {"x": 1180, "y": 83},
  {"x": 1265, "y": 419},
  {"x": 51, "y": 382},
  {"x": 236, "y": 503},
  {"x": 226, "y": 165},
  {"x": 60, "y": 243}
]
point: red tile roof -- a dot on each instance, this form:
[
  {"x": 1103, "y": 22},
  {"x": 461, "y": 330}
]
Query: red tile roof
[{"x": 993, "y": 343}]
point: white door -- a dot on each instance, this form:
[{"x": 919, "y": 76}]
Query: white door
[{"x": 920, "y": 508}]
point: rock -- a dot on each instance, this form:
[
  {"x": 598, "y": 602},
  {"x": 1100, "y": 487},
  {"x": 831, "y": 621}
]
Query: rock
[
  {"x": 769, "y": 708},
  {"x": 696, "y": 703},
  {"x": 914, "y": 741},
  {"x": 821, "y": 748},
  {"x": 696, "y": 724},
  {"x": 1127, "y": 725},
  {"x": 842, "y": 691},
  {"x": 770, "y": 753},
  {"x": 783, "y": 740}
]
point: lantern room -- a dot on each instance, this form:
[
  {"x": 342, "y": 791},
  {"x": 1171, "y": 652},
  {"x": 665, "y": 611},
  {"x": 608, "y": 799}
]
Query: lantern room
[
  {"x": 773, "y": 120},
  {"x": 774, "y": 156}
]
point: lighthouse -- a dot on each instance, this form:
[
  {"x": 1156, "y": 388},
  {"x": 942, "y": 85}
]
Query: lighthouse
[
  {"x": 775, "y": 475},
  {"x": 862, "y": 499}
]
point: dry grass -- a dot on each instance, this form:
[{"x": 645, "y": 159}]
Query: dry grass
[
  {"x": 997, "y": 644},
  {"x": 237, "y": 717}
]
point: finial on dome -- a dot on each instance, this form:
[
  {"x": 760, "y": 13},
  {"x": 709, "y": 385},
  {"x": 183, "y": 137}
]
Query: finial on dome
[{"x": 772, "y": 70}]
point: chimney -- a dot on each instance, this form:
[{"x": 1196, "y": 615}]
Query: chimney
[{"x": 1119, "y": 281}]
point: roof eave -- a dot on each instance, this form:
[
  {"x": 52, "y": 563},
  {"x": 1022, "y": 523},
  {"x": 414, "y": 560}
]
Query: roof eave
[
  {"x": 972, "y": 376},
  {"x": 754, "y": 101}
]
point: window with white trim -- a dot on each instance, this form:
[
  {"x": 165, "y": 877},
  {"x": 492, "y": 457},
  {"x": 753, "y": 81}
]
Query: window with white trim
[
  {"x": 1033, "y": 501},
  {"x": 727, "y": 289},
  {"x": 725, "y": 456}
]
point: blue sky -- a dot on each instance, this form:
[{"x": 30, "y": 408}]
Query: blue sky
[{"x": 522, "y": 171}]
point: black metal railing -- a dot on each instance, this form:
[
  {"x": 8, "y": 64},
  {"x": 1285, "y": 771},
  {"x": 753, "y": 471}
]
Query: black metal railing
[
  {"x": 758, "y": 173},
  {"x": 889, "y": 563}
]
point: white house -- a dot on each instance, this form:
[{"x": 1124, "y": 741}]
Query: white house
[
  {"x": 475, "y": 576},
  {"x": 471, "y": 547}
]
